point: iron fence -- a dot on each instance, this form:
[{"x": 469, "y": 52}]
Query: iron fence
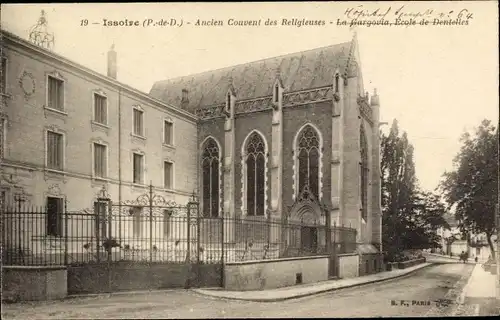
[{"x": 158, "y": 231}]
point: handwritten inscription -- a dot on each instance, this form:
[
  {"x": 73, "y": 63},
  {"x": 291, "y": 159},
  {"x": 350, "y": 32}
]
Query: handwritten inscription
[{"x": 402, "y": 16}]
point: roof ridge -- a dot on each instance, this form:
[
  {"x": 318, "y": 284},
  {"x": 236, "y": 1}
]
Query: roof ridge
[{"x": 249, "y": 62}]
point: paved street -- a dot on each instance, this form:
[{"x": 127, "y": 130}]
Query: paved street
[{"x": 373, "y": 300}]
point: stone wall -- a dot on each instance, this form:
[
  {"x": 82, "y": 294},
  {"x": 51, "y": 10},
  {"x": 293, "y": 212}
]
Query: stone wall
[
  {"x": 33, "y": 283},
  {"x": 348, "y": 265},
  {"x": 25, "y": 157},
  {"x": 276, "y": 273}
]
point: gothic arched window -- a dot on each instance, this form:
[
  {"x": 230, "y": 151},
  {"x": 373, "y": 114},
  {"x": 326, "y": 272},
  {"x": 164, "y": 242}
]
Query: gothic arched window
[
  {"x": 364, "y": 174},
  {"x": 308, "y": 149},
  {"x": 210, "y": 182},
  {"x": 255, "y": 162}
]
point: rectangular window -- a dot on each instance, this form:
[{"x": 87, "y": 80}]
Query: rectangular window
[
  {"x": 167, "y": 174},
  {"x": 167, "y": 223},
  {"x": 3, "y": 138},
  {"x": 55, "y": 152},
  {"x": 100, "y": 214},
  {"x": 3, "y": 201},
  {"x": 3, "y": 86},
  {"x": 138, "y": 168},
  {"x": 56, "y": 93},
  {"x": 100, "y": 109},
  {"x": 167, "y": 132},
  {"x": 137, "y": 223},
  {"x": 100, "y": 160},
  {"x": 138, "y": 122},
  {"x": 54, "y": 216}
]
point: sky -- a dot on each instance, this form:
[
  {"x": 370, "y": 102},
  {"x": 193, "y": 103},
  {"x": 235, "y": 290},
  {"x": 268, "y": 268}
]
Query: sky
[{"x": 437, "y": 81}]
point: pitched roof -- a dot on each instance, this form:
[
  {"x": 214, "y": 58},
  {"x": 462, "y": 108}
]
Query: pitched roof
[{"x": 298, "y": 71}]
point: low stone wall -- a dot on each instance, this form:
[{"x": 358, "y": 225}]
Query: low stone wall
[
  {"x": 127, "y": 276},
  {"x": 32, "y": 283},
  {"x": 370, "y": 263},
  {"x": 274, "y": 273},
  {"x": 348, "y": 265},
  {"x": 410, "y": 263}
]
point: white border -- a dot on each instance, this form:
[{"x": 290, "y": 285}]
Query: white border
[
  {"x": 295, "y": 193},
  {"x": 221, "y": 200},
  {"x": 244, "y": 173}
]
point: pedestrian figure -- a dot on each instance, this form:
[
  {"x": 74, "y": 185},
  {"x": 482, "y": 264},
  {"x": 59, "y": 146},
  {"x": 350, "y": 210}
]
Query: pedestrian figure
[{"x": 475, "y": 259}]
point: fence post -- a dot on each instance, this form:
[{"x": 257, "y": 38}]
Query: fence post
[
  {"x": 222, "y": 240},
  {"x": 328, "y": 235},
  {"x": 98, "y": 233},
  {"x": 188, "y": 253},
  {"x": 151, "y": 221},
  {"x": 198, "y": 232},
  {"x": 110, "y": 248},
  {"x": 65, "y": 232}
]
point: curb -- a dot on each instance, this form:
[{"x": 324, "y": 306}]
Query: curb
[
  {"x": 122, "y": 293},
  {"x": 313, "y": 293}
]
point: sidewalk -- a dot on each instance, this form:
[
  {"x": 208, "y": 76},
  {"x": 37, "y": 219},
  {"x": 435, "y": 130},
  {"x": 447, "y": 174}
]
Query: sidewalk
[
  {"x": 437, "y": 255},
  {"x": 308, "y": 289},
  {"x": 480, "y": 291}
]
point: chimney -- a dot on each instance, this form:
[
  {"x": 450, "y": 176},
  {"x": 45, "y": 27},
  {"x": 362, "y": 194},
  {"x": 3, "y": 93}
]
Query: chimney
[
  {"x": 112, "y": 62},
  {"x": 184, "y": 99}
]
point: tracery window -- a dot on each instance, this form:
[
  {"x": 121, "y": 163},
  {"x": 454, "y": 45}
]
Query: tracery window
[
  {"x": 364, "y": 174},
  {"x": 210, "y": 166},
  {"x": 308, "y": 148},
  {"x": 255, "y": 175}
]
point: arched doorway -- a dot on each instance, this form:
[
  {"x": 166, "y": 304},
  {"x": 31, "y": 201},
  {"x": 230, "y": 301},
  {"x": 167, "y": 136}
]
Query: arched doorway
[{"x": 306, "y": 219}]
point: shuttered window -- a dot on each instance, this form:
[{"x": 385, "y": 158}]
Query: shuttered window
[
  {"x": 138, "y": 122},
  {"x": 4, "y": 75},
  {"x": 167, "y": 132},
  {"x": 56, "y": 93},
  {"x": 167, "y": 174},
  {"x": 100, "y": 109},
  {"x": 100, "y": 160},
  {"x": 138, "y": 168},
  {"x": 54, "y": 150}
]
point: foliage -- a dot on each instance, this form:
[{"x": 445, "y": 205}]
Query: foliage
[
  {"x": 472, "y": 186},
  {"x": 411, "y": 216}
]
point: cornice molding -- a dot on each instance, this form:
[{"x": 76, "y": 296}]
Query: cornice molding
[{"x": 84, "y": 70}]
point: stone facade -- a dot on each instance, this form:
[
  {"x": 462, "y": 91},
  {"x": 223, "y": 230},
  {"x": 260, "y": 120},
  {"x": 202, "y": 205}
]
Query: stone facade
[
  {"x": 28, "y": 117},
  {"x": 278, "y": 98},
  {"x": 306, "y": 114}
]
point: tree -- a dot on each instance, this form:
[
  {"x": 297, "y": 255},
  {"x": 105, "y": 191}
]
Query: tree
[
  {"x": 410, "y": 217},
  {"x": 472, "y": 186},
  {"x": 398, "y": 188}
]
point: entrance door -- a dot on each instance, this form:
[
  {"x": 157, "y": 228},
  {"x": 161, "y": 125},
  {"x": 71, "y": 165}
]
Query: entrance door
[{"x": 309, "y": 239}]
